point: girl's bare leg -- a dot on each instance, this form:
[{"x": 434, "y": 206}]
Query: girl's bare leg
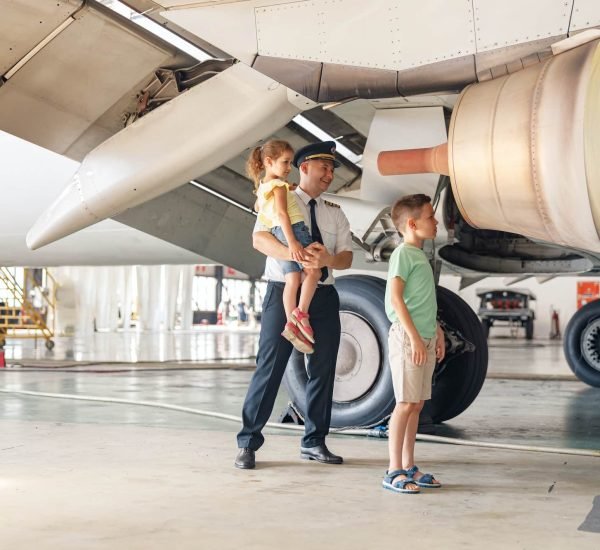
[
  {"x": 290, "y": 292},
  {"x": 308, "y": 288}
]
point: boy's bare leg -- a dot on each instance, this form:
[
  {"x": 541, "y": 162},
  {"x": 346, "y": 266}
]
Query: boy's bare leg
[
  {"x": 397, "y": 436},
  {"x": 290, "y": 292},
  {"x": 408, "y": 449},
  {"x": 412, "y": 425}
]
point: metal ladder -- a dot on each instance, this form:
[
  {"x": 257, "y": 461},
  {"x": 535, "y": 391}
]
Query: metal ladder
[{"x": 18, "y": 316}]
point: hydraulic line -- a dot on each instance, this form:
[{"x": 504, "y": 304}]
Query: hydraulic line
[{"x": 292, "y": 427}]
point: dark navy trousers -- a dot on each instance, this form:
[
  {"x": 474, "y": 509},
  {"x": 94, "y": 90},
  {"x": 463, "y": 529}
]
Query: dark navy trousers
[{"x": 273, "y": 354}]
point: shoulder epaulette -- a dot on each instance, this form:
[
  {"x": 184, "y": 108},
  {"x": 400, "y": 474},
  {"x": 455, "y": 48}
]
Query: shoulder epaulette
[{"x": 331, "y": 204}]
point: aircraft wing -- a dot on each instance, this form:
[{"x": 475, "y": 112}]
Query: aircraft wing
[
  {"x": 396, "y": 68},
  {"x": 332, "y": 51},
  {"x": 521, "y": 145},
  {"x": 27, "y": 187},
  {"x": 71, "y": 70},
  {"x": 92, "y": 85}
]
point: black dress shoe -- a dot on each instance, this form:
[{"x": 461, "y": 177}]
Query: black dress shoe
[
  {"x": 245, "y": 459},
  {"x": 320, "y": 453}
]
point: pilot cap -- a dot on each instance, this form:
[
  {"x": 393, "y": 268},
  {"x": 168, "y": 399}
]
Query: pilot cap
[{"x": 322, "y": 150}]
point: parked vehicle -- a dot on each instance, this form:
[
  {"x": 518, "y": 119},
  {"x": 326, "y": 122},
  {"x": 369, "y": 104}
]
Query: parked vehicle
[{"x": 507, "y": 308}]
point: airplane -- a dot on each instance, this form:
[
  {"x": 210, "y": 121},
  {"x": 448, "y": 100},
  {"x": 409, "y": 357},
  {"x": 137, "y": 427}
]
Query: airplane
[{"x": 490, "y": 107}]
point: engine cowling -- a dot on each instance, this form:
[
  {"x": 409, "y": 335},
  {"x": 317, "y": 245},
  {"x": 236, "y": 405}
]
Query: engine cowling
[{"x": 521, "y": 150}]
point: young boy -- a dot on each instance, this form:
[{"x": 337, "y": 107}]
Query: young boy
[{"x": 415, "y": 339}]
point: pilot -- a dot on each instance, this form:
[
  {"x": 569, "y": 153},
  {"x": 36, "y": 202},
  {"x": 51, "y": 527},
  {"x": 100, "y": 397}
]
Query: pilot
[{"x": 331, "y": 249}]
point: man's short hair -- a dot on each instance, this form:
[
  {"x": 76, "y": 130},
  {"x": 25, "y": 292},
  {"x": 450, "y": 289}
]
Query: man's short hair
[{"x": 406, "y": 207}]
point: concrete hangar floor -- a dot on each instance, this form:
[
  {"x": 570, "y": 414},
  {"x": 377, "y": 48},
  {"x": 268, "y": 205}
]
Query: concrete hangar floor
[{"x": 83, "y": 474}]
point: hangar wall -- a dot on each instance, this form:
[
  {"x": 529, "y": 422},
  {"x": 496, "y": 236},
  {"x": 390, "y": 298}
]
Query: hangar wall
[
  {"x": 95, "y": 293},
  {"x": 98, "y": 297},
  {"x": 559, "y": 293}
]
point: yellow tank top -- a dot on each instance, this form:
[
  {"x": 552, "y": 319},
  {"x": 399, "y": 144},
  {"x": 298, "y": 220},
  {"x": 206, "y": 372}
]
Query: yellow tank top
[{"x": 267, "y": 214}]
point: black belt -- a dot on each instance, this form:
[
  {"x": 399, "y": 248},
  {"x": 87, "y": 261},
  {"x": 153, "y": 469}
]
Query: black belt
[{"x": 281, "y": 285}]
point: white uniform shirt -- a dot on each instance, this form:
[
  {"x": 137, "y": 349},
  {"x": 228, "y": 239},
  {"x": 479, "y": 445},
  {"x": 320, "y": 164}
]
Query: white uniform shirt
[{"x": 334, "y": 228}]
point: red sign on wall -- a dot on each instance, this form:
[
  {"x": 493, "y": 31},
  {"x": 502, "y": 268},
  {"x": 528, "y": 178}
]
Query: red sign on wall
[{"x": 587, "y": 291}]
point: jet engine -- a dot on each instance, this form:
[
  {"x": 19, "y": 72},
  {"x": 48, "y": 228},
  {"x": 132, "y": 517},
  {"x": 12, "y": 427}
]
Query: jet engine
[
  {"x": 522, "y": 151},
  {"x": 522, "y": 156}
]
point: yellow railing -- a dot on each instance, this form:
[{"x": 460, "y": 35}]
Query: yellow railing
[{"x": 18, "y": 315}]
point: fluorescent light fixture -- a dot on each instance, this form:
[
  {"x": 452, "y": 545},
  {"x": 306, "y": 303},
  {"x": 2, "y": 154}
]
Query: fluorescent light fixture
[
  {"x": 303, "y": 122},
  {"x": 141, "y": 20},
  {"x": 222, "y": 197}
]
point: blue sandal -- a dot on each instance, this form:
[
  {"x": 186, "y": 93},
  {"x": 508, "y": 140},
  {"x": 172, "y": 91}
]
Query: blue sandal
[
  {"x": 426, "y": 480},
  {"x": 400, "y": 485}
]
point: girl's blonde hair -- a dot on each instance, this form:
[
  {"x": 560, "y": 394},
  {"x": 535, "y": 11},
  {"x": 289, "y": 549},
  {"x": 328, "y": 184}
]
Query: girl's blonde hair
[{"x": 255, "y": 165}]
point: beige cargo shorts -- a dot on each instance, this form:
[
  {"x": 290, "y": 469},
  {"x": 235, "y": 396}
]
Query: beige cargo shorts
[{"x": 412, "y": 383}]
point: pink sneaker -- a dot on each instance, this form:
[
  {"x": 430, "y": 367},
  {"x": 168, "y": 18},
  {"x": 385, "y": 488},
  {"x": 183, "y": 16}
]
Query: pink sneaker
[
  {"x": 297, "y": 317},
  {"x": 292, "y": 334}
]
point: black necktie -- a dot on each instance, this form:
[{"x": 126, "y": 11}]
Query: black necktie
[{"x": 316, "y": 233}]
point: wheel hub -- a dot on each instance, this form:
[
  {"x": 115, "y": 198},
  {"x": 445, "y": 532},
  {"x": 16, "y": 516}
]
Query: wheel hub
[
  {"x": 590, "y": 344},
  {"x": 359, "y": 359}
]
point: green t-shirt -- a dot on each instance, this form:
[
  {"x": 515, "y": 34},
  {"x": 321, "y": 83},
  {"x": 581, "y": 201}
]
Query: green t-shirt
[{"x": 410, "y": 264}]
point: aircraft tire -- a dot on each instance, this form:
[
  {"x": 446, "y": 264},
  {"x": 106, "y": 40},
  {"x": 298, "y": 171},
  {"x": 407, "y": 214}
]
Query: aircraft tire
[
  {"x": 362, "y": 305},
  {"x": 582, "y": 344},
  {"x": 462, "y": 378},
  {"x": 363, "y": 351}
]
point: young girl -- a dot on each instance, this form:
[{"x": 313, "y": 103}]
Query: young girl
[{"x": 279, "y": 211}]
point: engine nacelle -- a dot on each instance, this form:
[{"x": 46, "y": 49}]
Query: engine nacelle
[{"x": 523, "y": 150}]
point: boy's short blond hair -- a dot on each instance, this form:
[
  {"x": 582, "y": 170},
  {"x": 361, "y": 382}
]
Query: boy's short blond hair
[{"x": 406, "y": 207}]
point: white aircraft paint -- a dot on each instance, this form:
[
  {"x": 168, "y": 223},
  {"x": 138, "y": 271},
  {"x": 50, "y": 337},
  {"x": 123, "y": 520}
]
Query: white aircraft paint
[{"x": 31, "y": 179}]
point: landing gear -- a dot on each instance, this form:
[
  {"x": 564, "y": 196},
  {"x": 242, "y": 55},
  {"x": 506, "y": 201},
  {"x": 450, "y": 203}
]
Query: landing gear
[
  {"x": 363, "y": 394},
  {"x": 458, "y": 379},
  {"x": 582, "y": 344}
]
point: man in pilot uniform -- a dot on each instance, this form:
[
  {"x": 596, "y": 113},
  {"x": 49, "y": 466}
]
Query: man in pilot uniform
[{"x": 332, "y": 249}]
